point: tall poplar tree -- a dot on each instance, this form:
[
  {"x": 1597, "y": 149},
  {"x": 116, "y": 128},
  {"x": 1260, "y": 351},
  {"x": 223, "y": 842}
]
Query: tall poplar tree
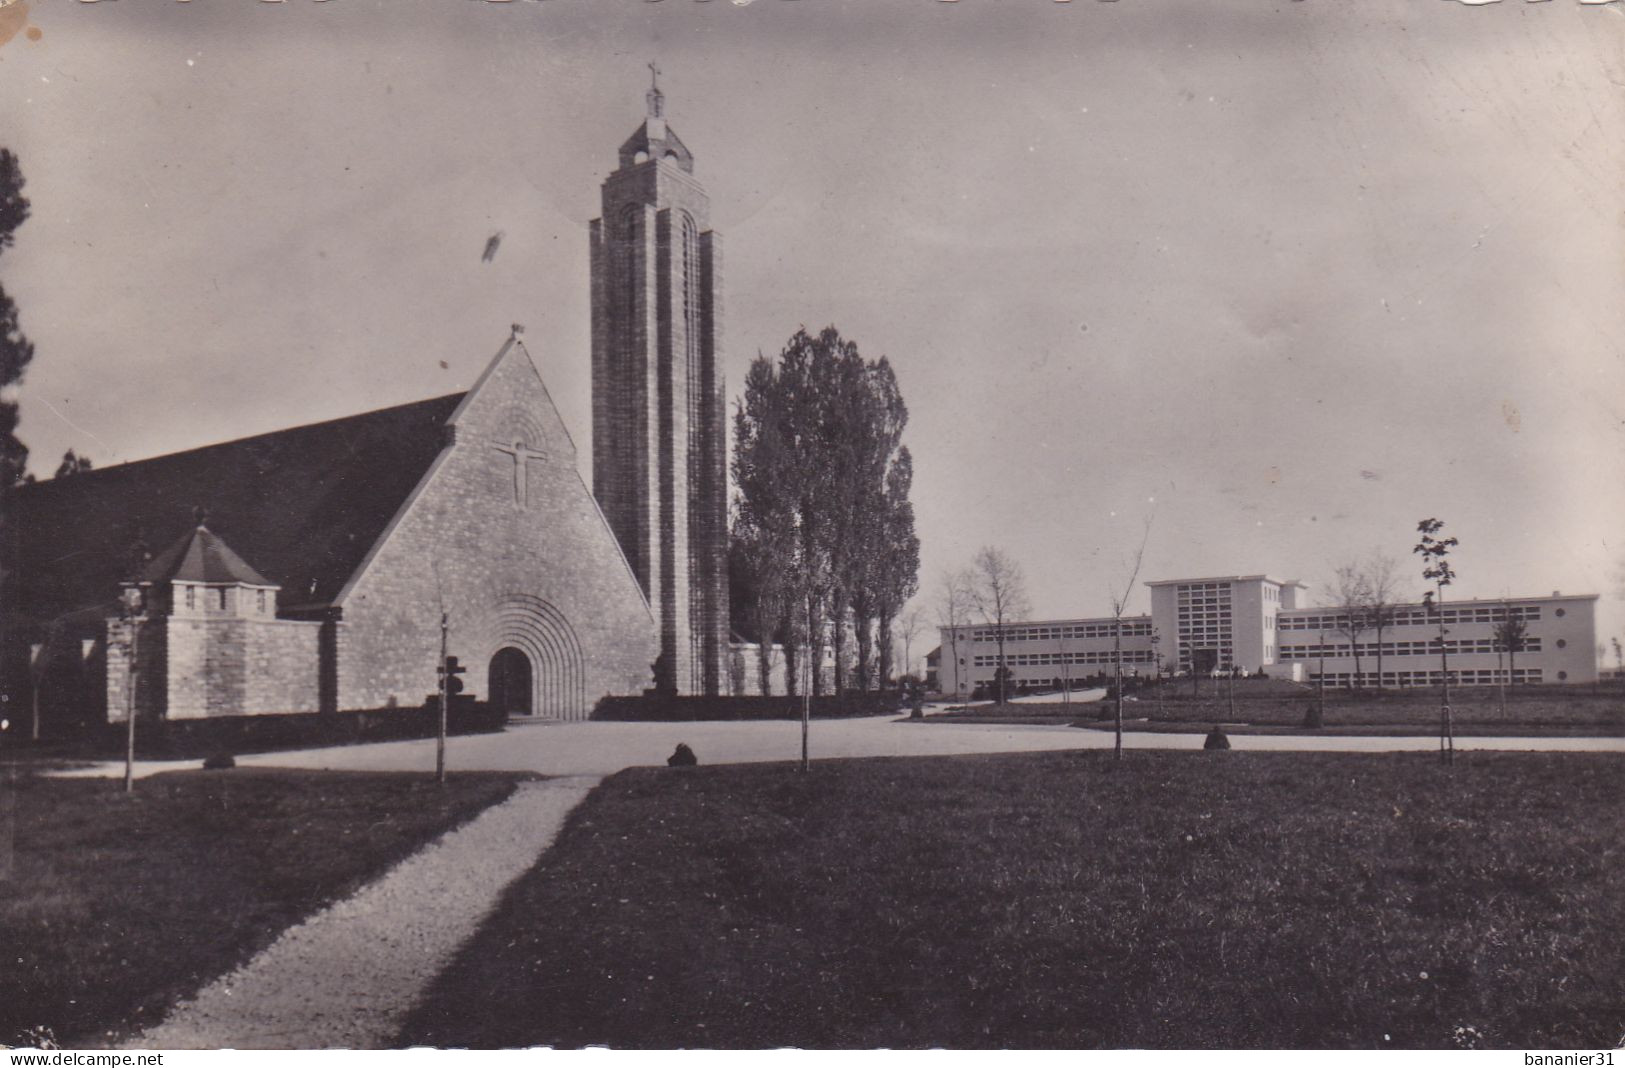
[
  {"x": 817, "y": 437},
  {"x": 15, "y": 349},
  {"x": 899, "y": 575}
]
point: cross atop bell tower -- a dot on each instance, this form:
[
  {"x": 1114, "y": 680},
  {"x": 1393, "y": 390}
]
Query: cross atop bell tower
[
  {"x": 654, "y": 140},
  {"x": 659, "y": 444},
  {"x": 655, "y": 100}
]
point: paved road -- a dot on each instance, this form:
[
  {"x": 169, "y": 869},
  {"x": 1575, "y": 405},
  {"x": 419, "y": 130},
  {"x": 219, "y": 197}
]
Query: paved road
[{"x": 604, "y": 748}]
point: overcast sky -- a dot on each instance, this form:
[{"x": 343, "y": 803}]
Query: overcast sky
[{"x": 1301, "y": 272}]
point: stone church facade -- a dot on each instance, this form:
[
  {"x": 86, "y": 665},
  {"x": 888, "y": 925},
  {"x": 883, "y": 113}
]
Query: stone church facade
[
  {"x": 506, "y": 538},
  {"x": 308, "y": 570},
  {"x": 347, "y": 541}
]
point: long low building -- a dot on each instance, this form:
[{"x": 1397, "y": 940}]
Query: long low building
[{"x": 1256, "y": 623}]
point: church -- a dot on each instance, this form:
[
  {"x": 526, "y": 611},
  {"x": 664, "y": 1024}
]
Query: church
[{"x": 310, "y": 569}]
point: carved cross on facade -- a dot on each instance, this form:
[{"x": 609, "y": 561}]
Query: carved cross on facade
[{"x": 521, "y": 479}]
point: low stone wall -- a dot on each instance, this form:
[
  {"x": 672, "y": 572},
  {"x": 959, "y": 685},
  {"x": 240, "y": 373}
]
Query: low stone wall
[
  {"x": 198, "y": 668},
  {"x": 237, "y": 667},
  {"x": 745, "y": 670},
  {"x": 151, "y": 680},
  {"x": 690, "y": 709},
  {"x": 282, "y": 657},
  {"x": 201, "y": 737}
]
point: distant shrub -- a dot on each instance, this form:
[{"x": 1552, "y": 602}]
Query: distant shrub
[{"x": 654, "y": 708}]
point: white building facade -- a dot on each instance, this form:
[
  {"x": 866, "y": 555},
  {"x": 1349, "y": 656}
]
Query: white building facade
[{"x": 1258, "y": 623}]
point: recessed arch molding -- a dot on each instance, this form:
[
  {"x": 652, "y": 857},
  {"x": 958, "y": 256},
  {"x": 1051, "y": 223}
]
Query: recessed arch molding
[{"x": 537, "y": 628}]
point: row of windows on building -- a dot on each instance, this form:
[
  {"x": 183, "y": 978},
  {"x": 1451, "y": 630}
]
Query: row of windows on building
[
  {"x": 1132, "y": 628},
  {"x": 1101, "y": 656},
  {"x": 1469, "y": 677},
  {"x": 215, "y": 597},
  {"x": 1412, "y": 617},
  {"x": 1465, "y": 645},
  {"x": 1204, "y": 617},
  {"x": 1057, "y": 682}
]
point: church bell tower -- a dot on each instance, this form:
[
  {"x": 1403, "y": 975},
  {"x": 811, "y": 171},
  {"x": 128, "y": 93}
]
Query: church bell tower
[{"x": 659, "y": 450}]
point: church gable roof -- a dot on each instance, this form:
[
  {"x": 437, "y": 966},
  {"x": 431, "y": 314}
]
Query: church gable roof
[
  {"x": 200, "y": 556},
  {"x": 303, "y": 506},
  {"x": 538, "y": 424}
]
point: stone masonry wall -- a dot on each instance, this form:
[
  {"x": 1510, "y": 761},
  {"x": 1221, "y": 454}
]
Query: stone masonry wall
[
  {"x": 150, "y": 681},
  {"x": 525, "y": 563},
  {"x": 283, "y": 665},
  {"x": 745, "y": 669},
  {"x": 659, "y": 408},
  {"x": 234, "y": 667}
]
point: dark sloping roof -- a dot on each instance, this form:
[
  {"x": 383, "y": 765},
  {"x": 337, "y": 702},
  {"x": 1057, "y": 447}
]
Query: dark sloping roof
[
  {"x": 302, "y": 506},
  {"x": 200, "y": 556}
]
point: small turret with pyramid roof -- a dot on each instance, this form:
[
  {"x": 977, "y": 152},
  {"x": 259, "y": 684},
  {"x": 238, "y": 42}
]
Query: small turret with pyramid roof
[
  {"x": 199, "y": 576},
  {"x": 210, "y": 643}
]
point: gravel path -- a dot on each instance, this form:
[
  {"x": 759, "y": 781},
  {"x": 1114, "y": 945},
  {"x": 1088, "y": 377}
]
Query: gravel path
[{"x": 347, "y": 976}]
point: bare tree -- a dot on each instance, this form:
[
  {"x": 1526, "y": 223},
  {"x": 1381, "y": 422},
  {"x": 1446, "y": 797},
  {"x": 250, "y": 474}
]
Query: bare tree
[
  {"x": 1156, "y": 655},
  {"x": 1509, "y": 638},
  {"x": 953, "y": 612},
  {"x": 999, "y": 592},
  {"x": 1119, "y": 602},
  {"x": 1383, "y": 594},
  {"x": 1351, "y": 596},
  {"x": 1365, "y": 594},
  {"x": 908, "y": 627}
]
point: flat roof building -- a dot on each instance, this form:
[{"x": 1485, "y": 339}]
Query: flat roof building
[{"x": 1256, "y": 623}]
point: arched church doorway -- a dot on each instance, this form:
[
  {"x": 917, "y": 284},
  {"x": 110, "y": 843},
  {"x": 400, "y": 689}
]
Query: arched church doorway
[
  {"x": 510, "y": 686},
  {"x": 534, "y": 630}
]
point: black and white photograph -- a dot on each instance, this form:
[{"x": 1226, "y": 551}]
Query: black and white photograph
[{"x": 812, "y": 524}]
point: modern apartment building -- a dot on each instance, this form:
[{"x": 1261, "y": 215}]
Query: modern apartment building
[{"x": 1255, "y": 622}]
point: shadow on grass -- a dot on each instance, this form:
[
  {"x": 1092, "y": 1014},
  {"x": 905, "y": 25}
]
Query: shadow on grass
[
  {"x": 1180, "y": 899},
  {"x": 114, "y": 907}
]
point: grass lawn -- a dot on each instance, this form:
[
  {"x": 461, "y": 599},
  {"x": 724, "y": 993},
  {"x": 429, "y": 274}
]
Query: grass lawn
[
  {"x": 112, "y": 908},
  {"x": 1181, "y": 899},
  {"x": 1276, "y": 704}
]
